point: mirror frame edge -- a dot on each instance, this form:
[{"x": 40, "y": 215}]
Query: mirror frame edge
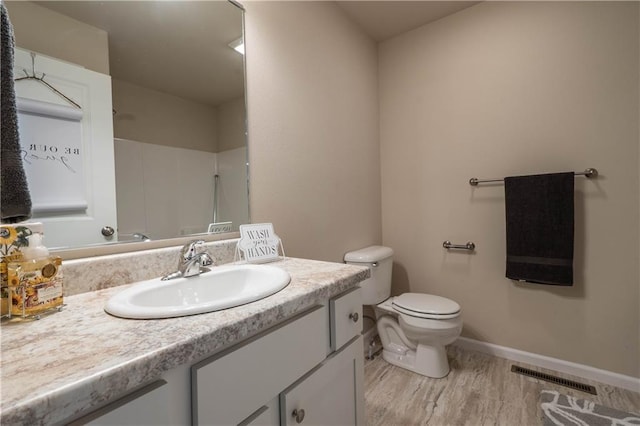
[
  {"x": 246, "y": 106},
  {"x": 130, "y": 247}
]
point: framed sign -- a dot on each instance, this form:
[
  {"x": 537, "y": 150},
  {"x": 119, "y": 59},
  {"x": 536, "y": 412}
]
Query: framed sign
[{"x": 258, "y": 243}]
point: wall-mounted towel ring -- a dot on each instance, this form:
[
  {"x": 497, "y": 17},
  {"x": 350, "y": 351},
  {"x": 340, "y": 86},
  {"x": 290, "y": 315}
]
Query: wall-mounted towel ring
[{"x": 469, "y": 246}]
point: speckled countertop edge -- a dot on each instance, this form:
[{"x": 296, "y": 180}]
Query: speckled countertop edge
[{"x": 75, "y": 360}]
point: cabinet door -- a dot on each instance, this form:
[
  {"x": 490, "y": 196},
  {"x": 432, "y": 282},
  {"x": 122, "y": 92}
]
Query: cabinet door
[
  {"x": 146, "y": 406},
  {"x": 267, "y": 415},
  {"x": 228, "y": 387},
  {"x": 331, "y": 394}
]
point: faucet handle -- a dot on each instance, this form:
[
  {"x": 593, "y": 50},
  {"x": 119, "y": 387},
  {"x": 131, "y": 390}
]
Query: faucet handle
[{"x": 205, "y": 259}]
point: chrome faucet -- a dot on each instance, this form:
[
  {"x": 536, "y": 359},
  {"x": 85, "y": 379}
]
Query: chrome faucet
[
  {"x": 141, "y": 237},
  {"x": 191, "y": 262}
]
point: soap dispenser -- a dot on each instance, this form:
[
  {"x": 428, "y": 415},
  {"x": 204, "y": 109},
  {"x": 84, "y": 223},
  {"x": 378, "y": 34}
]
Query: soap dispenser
[
  {"x": 35, "y": 283},
  {"x": 35, "y": 249}
]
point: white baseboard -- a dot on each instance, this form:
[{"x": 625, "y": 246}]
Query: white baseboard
[{"x": 580, "y": 370}]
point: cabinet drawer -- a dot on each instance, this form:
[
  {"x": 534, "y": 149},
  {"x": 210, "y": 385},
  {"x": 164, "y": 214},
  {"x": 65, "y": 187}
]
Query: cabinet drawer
[
  {"x": 346, "y": 317},
  {"x": 228, "y": 387}
]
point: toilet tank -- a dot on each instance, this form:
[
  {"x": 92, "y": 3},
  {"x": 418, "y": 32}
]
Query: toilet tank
[{"x": 379, "y": 259}]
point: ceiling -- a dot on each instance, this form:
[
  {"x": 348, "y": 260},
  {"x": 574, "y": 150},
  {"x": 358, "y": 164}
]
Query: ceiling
[
  {"x": 181, "y": 47},
  {"x": 176, "y": 47},
  {"x": 382, "y": 20}
]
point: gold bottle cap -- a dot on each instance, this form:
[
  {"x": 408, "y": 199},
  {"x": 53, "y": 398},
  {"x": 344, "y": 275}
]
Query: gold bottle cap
[{"x": 49, "y": 270}]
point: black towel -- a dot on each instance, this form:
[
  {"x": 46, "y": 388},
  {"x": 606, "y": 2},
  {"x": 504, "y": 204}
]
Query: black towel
[
  {"x": 15, "y": 200},
  {"x": 539, "y": 216}
]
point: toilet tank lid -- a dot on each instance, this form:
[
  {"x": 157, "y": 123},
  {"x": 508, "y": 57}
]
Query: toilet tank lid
[{"x": 369, "y": 254}]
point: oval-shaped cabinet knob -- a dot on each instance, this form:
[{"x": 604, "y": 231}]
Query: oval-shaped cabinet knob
[
  {"x": 298, "y": 414},
  {"x": 354, "y": 317},
  {"x": 108, "y": 231}
]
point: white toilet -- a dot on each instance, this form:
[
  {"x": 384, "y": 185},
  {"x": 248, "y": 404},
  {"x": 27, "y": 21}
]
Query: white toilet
[{"x": 414, "y": 328}]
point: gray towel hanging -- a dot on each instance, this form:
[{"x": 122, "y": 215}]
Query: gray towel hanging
[{"x": 15, "y": 200}]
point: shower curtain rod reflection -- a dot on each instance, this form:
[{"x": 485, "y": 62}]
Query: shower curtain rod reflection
[
  {"x": 589, "y": 173},
  {"x": 215, "y": 197}
]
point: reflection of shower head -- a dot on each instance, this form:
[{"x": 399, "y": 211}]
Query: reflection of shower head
[{"x": 142, "y": 237}]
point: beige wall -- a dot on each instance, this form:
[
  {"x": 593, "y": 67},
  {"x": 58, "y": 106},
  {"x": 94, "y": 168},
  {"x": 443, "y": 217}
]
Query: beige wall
[
  {"x": 511, "y": 88},
  {"x": 313, "y": 120},
  {"x": 43, "y": 31},
  {"x": 146, "y": 115},
  {"x": 231, "y": 124}
]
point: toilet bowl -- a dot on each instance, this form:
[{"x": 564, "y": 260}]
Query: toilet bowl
[
  {"x": 416, "y": 341},
  {"x": 414, "y": 327}
]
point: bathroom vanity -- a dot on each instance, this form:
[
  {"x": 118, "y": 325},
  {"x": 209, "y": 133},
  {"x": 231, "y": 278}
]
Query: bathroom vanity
[{"x": 293, "y": 357}]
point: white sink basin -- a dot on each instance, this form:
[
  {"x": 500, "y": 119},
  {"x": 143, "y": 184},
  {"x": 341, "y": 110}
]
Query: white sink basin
[{"x": 221, "y": 288}]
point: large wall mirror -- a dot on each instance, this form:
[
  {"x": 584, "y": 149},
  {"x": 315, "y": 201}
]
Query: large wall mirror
[{"x": 156, "y": 147}]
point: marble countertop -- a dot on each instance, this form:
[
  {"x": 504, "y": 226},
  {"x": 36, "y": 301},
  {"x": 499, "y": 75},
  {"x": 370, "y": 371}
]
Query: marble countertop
[{"x": 77, "y": 359}]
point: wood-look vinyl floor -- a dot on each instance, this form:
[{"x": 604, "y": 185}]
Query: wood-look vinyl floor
[{"x": 479, "y": 390}]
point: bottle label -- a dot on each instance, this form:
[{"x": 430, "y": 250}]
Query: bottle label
[{"x": 49, "y": 293}]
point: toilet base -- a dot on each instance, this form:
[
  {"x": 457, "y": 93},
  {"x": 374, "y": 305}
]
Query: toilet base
[{"x": 430, "y": 361}]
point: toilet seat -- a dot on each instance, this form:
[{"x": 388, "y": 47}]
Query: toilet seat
[{"x": 425, "y": 306}]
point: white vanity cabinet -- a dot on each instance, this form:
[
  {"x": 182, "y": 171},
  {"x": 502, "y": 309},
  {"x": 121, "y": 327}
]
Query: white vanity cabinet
[
  {"x": 308, "y": 370},
  {"x": 330, "y": 394},
  {"x": 284, "y": 376}
]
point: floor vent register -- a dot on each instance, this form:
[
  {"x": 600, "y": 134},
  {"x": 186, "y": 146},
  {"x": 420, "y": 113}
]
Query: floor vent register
[{"x": 554, "y": 379}]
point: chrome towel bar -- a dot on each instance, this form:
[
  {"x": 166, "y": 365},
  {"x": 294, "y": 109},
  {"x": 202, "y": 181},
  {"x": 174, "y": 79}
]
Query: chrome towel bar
[
  {"x": 469, "y": 246},
  {"x": 589, "y": 173}
]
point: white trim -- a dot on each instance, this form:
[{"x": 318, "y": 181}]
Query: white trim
[
  {"x": 580, "y": 370},
  {"x": 59, "y": 206}
]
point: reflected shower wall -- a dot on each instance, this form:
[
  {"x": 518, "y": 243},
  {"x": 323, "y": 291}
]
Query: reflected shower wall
[
  {"x": 232, "y": 186},
  {"x": 166, "y": 191}
]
